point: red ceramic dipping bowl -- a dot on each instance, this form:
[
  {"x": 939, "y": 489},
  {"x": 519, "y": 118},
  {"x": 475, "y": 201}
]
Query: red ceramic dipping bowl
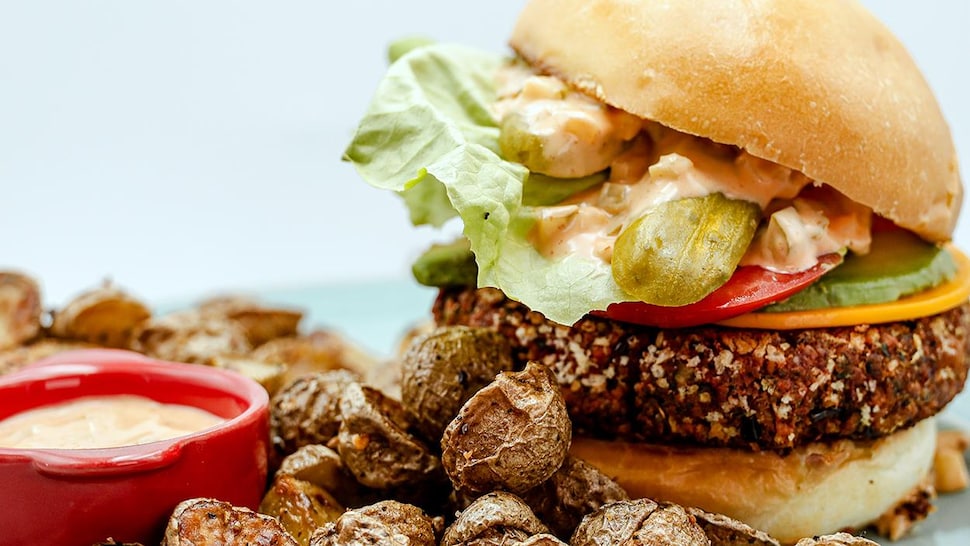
[{"x": 78, "y": 497}]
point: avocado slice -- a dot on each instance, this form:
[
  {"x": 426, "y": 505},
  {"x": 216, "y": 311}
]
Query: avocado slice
[
  {"x": 898, "y": 264},
  {"x": 450, "y": 264}
]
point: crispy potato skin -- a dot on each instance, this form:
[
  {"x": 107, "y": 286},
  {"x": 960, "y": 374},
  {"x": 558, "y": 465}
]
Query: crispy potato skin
[
  {"x": 511, "y": 435},
  {"x": 260, "y": 322},
  {"x": 209, "y": 522},
  {"x": 300, "y": 506},
  {"x": 758, "y": 389},
  {"x": 640, "y": 522},
  {"x": 14, "y": 359},
  {"x": 105, "y": 316},
  {"x": 20, "y": 309},
  {"x": 307, "y": 411},
  {"x": 386, "y": 522}
]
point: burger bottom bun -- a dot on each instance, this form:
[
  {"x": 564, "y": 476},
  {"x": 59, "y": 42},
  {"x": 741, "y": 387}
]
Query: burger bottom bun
[{"x": 813, "y": 490}]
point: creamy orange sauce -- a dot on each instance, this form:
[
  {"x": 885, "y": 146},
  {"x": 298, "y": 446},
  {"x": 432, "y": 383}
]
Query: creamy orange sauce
[
  {"x": 817, "y": 222},
  {"x": 578, "y": 135},
  {"x": 100, "y": 422},
  {"x": 657, "y": 165}
]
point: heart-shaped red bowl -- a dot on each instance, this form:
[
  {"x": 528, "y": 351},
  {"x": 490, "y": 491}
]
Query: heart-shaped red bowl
[{"x": 78, "y": 497}]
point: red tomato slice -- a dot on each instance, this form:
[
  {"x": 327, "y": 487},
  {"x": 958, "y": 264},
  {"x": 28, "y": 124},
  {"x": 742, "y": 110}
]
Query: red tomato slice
[{"x": 750, "y": 288}]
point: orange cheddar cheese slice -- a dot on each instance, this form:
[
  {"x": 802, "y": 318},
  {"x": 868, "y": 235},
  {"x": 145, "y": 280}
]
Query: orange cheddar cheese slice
[{"x": 923, "y": 304}]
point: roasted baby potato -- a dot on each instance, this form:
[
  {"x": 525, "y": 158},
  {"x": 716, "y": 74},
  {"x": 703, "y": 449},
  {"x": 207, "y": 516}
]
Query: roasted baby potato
[
  {"x": 444, "y": 368},
  {"x": 300, "y": 506},
  {"x": 267, "y": 374},
  {"x": 210, "y": 522},
  {"x": 494, "y": 518},
  {"x": 318, "y": 351},
  {"x": 307, "y": 411},
  {"x": 20, "y": 309},
  {"x": 261, "y": 322},
  {"x": 386, "y": 522},
  {"x": 13, "y": 359},
  {"x": 640, "y": 522},
  {"x": 105, "y": 316},
  {"x": 375, "y": 444},
  {"x": 321, "y": 466},
  {"x": 188, "y": 336},
  {"x": 511, "y": 435}
]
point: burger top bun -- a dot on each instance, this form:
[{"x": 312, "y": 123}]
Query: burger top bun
[{"x": 816, "y": 85}]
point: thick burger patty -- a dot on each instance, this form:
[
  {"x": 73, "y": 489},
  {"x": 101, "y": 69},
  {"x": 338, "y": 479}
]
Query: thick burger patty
[{"x": 761, "y": 389}]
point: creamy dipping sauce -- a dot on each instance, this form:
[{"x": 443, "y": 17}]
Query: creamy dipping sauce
[{"x": 102, "y": 421}]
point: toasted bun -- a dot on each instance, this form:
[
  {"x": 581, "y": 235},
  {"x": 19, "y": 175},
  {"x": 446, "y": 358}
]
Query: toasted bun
[
  {"x": 816, "y": 85},
  {"x": 814, "y": 490}
]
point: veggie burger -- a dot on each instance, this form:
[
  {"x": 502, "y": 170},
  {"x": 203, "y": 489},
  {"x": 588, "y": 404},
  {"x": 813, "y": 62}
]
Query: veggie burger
[{"x": 723, "y": 224}]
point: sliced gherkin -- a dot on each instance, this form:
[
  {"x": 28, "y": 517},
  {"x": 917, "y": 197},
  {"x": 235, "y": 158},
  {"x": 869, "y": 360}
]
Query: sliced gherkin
[
  {"x": 518, "y": 143},
  {"x": 681, "y": 251},
  {"x": 550, "y": 153}
]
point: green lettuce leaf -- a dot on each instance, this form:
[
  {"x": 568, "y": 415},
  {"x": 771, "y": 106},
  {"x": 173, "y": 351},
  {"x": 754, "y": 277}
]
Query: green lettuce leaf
[{"x": 428, "y": 135}]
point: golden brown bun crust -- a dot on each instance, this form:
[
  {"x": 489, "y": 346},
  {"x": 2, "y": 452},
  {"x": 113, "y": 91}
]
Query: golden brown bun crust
[
  {"x": 815, "y": 490},
  {"x": 816, "y": 85}
]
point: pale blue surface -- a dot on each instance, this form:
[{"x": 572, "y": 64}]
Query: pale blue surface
[{"x": 373, "y": 314}]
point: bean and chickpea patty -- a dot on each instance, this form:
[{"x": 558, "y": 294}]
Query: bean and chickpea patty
[{"x": 756, "y": 389}]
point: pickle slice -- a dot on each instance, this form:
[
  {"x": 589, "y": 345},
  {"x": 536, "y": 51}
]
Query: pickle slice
[
  {"x": 561, "y": 153},
  {"x": 681, "y": 251}
]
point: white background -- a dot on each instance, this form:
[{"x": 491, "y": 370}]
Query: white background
[{"x": 184, "y": 147}]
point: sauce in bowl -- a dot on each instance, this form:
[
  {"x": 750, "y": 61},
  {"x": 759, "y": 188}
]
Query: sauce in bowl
[
  {"x": 78, "y": 497},
  {"x": 102, "y": 421}
]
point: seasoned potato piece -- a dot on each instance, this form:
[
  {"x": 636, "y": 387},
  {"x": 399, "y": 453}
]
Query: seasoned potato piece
[
  {"x": 267, "y": 374},
  {"x": 725, "y": 531},
  {"x": 261, "y": 323},
  {"x": 387, "y": 522},
  {"x": 13, "y": 359},
  {"x": 321, "y": 466},
  {"x": 576, "y": 489},
  {"x": 187, "y": 336},
  {"x": 209, "y": 522},
  {"x": 494, "y": 518},
  {"x": 307, "y": 411},
  {"x": 300, "y": 506},
  {"x": 20, "y": 309},
  {"x": 640, "y": 522},
  {"x": 544, "y": 539},
  {"x": 105, "y": 316},
  {"x": 317, "y": 351},
  {"x": 511, "y": 435},
  {"x": 444, "y": 368},
  {"x": 376, "y": 446}
]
